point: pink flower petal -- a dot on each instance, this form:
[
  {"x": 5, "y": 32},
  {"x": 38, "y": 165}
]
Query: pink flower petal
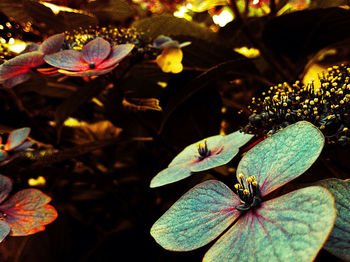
[
  {"x": 117, "y": 54},
  {"x": 96, "y": 51},
  {"x": 88, "y": 72},
  {"x": 20, "y": 64},
  {"x": 5, "y": 187},
  {"x": 16, "y": 80},
  {"x": 16, "y": 138},
  {"x": 27, "y": 212},
  {"x": 67, "y": 59},
  {"x": 52, "y": 44}
]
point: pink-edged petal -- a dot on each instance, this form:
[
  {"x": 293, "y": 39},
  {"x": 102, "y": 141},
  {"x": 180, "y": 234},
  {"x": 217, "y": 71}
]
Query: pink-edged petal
[
  {"x": 117, "y": 54},
  {"x": 20, "y": 64},
  {"x": 170, "y": 175},
  {"x": 52, "y": 44},
  {"x": 5, "y": 187},
  {"x": 338, "y": 242},
  {"x": 283, "y": 156},
  {"x": 293, "y": 227},
  {"x": 3, "y": 155},
  {"x": 197, "y": 217},
  {"x": 16, "y": 80},
  {"x": 16, "y": 138},
  {"x": 230, "y": 147},
  {"x": 31, "y": 48},
  {"x": 190, "y": 154},
  {"x": 27, "y": 212},
  {"x": 95, "y": 72},
  {"x": 4, "y": 230},
  {"x": 67, "y": 59},
  {"x": 96, "y": 51}
]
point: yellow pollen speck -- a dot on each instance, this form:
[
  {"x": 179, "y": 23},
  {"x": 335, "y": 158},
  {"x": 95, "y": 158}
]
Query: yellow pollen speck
[
  {"x": 254, "y": 183},
  {"x": 249, "y": 180},
  {"x": 238, "y": 186},
  {"x": 240, "y": 175},
  {"x": 246, "y": 191},
  {"x": 345, "y": 129}
]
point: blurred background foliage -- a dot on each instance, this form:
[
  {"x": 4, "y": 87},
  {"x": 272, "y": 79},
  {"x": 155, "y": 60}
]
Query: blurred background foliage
[{"x": 100, "y": 145}]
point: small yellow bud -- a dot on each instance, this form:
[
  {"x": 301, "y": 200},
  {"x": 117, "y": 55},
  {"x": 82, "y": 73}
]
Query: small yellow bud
[
  {"x": 246, "y": 191},
  {"x": 255, "y": 183},
  {"x": 240, "y": 175},
  {"x": 253, "y": 177},
  {"x": 249, "y": 180},
  {"x": 238, "y": 186}
]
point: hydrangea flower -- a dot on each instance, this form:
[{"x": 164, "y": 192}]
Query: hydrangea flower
[
  {"x": 292, "y": 227},
  {"x": 17, "y": 70},
  {"x": 203, "y": 155},
  {"x": 96, "y": 58},
  {"x": 16, "y": 141},
  {"x": 25, "y": 213},
  {"x": 170, "y": 58}
]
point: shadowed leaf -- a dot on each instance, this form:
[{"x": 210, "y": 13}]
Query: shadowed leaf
[
  {"x": 283, "y": 156},
  {"x": 289, "y": 228},
  {"x": 338, "y": 242},
  {"x": 170, "y": 25},
  {"x": 17, "y": 137},
  {"x": 197, "y": 217}
]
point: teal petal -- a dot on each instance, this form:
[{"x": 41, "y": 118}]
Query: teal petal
[
  {"x": 289, "y": 228},
  {"x": 197, "y": 217},
  {"x": 229, "y": 149},
  {"x": 338, "y": 242},
  {"x": 190, "y": 154},
  {"x": 5, "y": 187},
  {"x": 4, "y": 230},
  {"x": 170, "y": 175},
  {"x": 283, "y": 156},
  {"x": 3, "y": 155}
]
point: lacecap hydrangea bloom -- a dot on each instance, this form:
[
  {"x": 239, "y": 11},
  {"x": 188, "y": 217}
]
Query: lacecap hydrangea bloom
[{"x": 292, "y": 227}]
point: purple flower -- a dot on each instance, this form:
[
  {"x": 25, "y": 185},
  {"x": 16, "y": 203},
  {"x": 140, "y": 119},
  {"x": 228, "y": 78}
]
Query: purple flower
[
  {"x": 203, "y": 155},
  {"x": 96, "y": 58},
  {"x": 17, "y": 70}
]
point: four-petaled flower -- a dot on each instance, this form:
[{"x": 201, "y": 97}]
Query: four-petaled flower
[
  {"x": 212, "y": 152},
  {"x": 17, "y": 70},
  {"x": 96, "y": 58},
  {"x": 292, "y": 227},
  {"x": 25, "y": 213},
  {"x": 16, "y": 141}
]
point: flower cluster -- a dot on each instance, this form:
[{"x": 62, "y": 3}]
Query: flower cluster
[
  {"x": 292, "y": 227},
  {"x": 325, "y": 104}
]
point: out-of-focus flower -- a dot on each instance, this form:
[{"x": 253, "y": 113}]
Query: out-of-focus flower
[
  {"x": 203, "y": 5},
  {"x": 16, "y": 142},
  {"x": 17, "y": 70},
  {"x": 170, "y": 58},
  {"x": 158, "y": 6},
  {"x": 325, "y": 104},
  {"x": 212, "y": 152},
  {"x": 25, "y": 213},
  {"x": 96, "y": 58}
]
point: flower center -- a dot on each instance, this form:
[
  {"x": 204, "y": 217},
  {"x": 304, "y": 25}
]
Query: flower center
[
  {"x": 203, "y": 150},
  {"x": 2, "y": 215},
  {"x": 249, "y": 195},
  {"x": 92, "y": 65}
]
